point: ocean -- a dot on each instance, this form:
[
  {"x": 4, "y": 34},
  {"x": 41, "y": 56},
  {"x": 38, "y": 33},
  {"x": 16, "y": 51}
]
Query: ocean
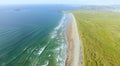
[{"x": 33, "y": 35}]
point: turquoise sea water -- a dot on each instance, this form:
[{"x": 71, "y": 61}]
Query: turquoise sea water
[{"x": 33, "y": 35}]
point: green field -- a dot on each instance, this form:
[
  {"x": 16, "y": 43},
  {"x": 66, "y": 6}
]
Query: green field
[{"x": 100, "y": 35}]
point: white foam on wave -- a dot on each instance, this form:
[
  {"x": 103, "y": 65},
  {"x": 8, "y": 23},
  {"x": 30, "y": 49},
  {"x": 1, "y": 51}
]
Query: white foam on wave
[
  {"x": 61, "y": 22},
  {"x": 59, "y": 35},
  {"x": 54, "y": 34},
  {"x": 62, "y": 44},
  {"x": 41, "y": 50},
  {"x": 62, "y": 52}
]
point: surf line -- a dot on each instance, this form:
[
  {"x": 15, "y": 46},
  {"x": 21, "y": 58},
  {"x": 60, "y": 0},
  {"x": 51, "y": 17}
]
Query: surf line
[{"x": 59, "y": 35}]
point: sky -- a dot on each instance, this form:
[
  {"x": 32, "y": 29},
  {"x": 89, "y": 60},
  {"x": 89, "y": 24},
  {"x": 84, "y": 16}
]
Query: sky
[{"x": 82, "y": 2}]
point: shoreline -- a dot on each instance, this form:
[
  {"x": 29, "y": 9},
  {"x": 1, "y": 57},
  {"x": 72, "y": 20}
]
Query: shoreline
[{"x": 74, "y": 57}]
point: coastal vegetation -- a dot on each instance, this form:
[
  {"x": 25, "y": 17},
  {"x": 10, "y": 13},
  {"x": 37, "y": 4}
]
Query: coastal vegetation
[{"x": 100, "y": 35}]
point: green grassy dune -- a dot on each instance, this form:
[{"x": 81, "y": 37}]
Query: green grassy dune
[{"x": 100, "y": 35}]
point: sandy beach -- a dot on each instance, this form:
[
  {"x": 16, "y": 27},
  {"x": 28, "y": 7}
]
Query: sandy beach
[{"x": 75, "y": 45}]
